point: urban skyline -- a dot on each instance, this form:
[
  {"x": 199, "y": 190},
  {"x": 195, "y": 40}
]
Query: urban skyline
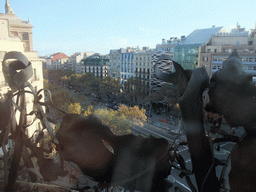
[{"x": 69, "y": 27}]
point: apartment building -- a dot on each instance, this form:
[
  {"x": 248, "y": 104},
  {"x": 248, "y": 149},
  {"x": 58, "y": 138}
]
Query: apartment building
[
  {"x": 168, "y": 45},
  {"x": 97, "y": 64},
  {"x": 143, "y": 65},
  {"x": 114, "y": 62},
  {"x": 56, "y": 61},
  {"x": 223, "y": 44}
]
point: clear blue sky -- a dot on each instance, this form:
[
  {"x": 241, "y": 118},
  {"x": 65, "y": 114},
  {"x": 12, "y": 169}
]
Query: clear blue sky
[{"x": 100, "y": 25}]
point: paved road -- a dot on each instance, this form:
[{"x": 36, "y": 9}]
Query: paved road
[
  {"x": 159, "y": 129},
  {"x": 183, "y": 151}
]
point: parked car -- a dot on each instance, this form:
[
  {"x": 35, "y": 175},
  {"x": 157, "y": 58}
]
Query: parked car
[
  {"x": 173, "y": 132},
  {"x": 164, "y": 120}
]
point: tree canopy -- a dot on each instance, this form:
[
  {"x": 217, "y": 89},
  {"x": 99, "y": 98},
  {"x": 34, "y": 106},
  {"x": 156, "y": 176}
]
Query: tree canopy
[
  {"x": 74, "y": 108},
  {"x": 133, "y": 114},
  {"x": 116, "y": 121}
]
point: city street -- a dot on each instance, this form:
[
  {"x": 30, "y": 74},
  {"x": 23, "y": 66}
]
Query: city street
[
  {"x": 149, "y": 129},
  {"x": 168, "y": 130}
]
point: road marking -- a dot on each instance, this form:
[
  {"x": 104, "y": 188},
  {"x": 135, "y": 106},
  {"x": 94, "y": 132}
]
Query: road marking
[{"x": 183, "y": 185}]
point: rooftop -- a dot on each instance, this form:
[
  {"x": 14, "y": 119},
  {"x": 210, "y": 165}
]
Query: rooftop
[
  {"x": 14, "y": 21},
  {"x": 201, "y": 36}
]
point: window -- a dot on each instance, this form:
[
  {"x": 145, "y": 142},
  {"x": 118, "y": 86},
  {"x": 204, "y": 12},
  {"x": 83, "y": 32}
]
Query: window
[
  {"x": 208, "y": 50},
  {"x": 35, "y": 75},
  {"x": 245, "y": 59},
  {"x": 214, "y": 58},
  {"x": 25, "y": 36},
  {"x": 216, "y": 67},
  {"x": 215, "y": 50},
  {"x": 250, "y": 59},
  {"x": 239, "y": 51}
]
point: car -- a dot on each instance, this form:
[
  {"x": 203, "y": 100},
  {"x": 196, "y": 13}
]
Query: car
[
  {"x": 172, "y": 132},
  {"x": 164, "y": 120}
]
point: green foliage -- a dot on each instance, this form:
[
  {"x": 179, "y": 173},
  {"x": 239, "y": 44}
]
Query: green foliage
[
  {"x": 74, "y": 108},
  {"x": 85, "y": 81},
  {"x": 109, "y": 85},
  {"x": 89, "y": 110},
  {"x": 134, "y": 114},
  {"x": 117, "y": 122},
  {"x": 168, "y": 91},
  {"x": 135, "y": 90},
  {"x": 62, "y": 99}
]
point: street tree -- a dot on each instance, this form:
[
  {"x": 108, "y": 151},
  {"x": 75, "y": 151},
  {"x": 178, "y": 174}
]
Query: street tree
[
  {"x": 116, "y": 121},
  {"x": 135, "y": 90},
  {"x": 74, "y": 108},
  {"x": 133, "y": 114},
  {"x": 109, "y": 87}
]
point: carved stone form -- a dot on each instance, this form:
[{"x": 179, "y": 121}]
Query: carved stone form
[{"x": 8, "y": 9}]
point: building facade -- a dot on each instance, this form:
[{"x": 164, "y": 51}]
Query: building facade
[
  {"x": 223, "y": 44},
  {"x": 135, "y": 62},
  {"x": 97, "y": 64},
  {"x": 143, "y": 65},
  {"x": 164, "y": 64},
  {"x": 115, "y": 62},
  {"x": 16, "y": 35},
  {"x": 168, "y": 46},
  {"x": 187, "y": 50}
]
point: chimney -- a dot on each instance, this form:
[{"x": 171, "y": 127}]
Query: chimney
[{"x": 163, "y": 41}]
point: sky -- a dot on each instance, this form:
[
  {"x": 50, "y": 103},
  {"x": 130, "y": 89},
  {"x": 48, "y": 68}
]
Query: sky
[{"x": 70, "y": 26}]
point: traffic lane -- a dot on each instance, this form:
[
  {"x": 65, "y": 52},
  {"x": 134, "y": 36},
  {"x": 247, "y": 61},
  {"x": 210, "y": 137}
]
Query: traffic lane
[
  {"x": 183, "y": 150},
  {"x": 166, "y": 129},
  {"x": 154, "y": 132}
]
